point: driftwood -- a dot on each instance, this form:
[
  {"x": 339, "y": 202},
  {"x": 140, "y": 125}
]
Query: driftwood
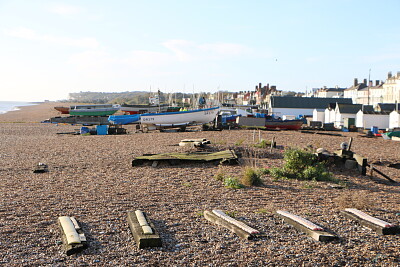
[
  {"x": 41, "y": 168},
  {"x": 73, "y": 237},
  {"x": 317, "y": 233},
  {"x": 210, "y": 216},
  {"x": 381, "y": 227},
  {"x": 143, "y": 240},
  {"x": 381, "y": 173},
  {"x": 223, "y": 157}
]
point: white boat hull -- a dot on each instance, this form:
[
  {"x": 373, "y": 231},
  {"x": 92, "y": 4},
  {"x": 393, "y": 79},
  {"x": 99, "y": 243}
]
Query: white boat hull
[{"x": 190, "y": 117}]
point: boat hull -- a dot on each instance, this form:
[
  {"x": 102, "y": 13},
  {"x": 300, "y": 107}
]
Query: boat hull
[
  {"x": 141, "y": 109},
  {"x": 190, "y": 117},
  {"x": 93, "y": 112},
  {"x": 63, "y": 110},
  {"x": 284, "y": 124}
]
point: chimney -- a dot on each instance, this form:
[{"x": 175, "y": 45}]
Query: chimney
[
  {"x": 376, "y": 82},
  {"x": 365, "y": 81},
  {"x": 370, "y": 84},
  {"x": 355, "y": 81},
  {"x": 389, "y": 74},
  {"x": 259, "y": 85}
]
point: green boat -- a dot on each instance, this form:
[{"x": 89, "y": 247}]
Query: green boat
[{"x": 93, "y": 110}]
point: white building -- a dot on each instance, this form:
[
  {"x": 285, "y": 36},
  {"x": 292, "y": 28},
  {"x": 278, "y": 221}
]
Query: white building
[
  {"x": 346, "y": 111},
  {"x": 319, "y": 115},
  {"x": 369, "y": 119},
  {"x": 391, "y": 88},
  {"x": 394, "y": 119}
]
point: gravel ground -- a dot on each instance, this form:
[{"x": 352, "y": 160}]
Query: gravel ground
[{"x": 91, "y": 178}]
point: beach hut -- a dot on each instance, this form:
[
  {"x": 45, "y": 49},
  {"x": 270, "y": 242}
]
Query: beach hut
[
  {"x": 347, "y": 112},
  {"x": 394, "y": 119},
  {"x": 318, "y": 115},
  {"x": 368, "y": 119}
]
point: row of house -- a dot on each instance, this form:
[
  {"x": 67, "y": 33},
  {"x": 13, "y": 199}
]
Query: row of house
[
  {"x": 339, "y": 111},
  {"x": 366, "y": 92}
]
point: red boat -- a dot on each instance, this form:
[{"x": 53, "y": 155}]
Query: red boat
[
  {"x": 63, "y": 110},
  {"x": 284, "y": 124}
]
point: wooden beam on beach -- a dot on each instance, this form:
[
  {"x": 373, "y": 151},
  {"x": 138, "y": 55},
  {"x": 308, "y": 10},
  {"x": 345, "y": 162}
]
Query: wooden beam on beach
[
  {"x": 377, "y": 225},
  {"x": 144, "y": 237},
  {"x": 361, "y": 163},
  {"x": 381, "y": 173},
  {"x": 72, "y": 235},
  {"x": 305, "y": 226},
  {"x": 243, "y": 233}
]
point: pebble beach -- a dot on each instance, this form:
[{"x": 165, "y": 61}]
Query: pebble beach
[{"x": 92, "y": 179}]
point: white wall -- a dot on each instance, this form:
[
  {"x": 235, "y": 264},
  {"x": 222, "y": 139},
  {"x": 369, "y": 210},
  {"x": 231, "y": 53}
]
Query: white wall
[
  {"x": 291, "y": 111},
  {"x": 339, "y": 118},
  {"x": 329, "y": 115},
  {"x": 319, "y": 115},
  {"x": 366, "y": 121},
  {"x": 394, "y": 119}
]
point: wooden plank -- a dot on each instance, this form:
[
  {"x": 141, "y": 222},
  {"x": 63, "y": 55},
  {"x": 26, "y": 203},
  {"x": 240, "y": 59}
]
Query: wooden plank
[
  {"x": 75, "y": 247},
  {"x": 226, "y": 155},
  {"x": 361, "y": 163},
  {"x": 378, "y": 229},
  {"x": 143, "y": 240},
  {"x": 381, "y": 173},
  {"x": 237, "y": 230},
  {"x": 323, "y": 236}
]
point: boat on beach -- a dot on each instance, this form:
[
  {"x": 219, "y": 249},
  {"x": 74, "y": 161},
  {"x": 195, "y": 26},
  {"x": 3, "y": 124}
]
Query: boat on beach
[
  {"x": 283, "y": 124},
  {"x": 63, "y": 110},
  {"x": 143, "y": 108},
  {"x": 178, "y": 119},
  {"x": 94, "y": 110}
]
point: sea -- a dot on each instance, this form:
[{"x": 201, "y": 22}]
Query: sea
[{"x": 6, "y": 106}]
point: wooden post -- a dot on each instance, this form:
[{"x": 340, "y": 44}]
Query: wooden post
[
  {"x": 361, "y": 164},
  {"x": 350, "y": 142},
  {"x": 272, "y": 144}
]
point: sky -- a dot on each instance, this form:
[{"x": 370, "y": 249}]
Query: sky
[{"x": 49, "y": 49}]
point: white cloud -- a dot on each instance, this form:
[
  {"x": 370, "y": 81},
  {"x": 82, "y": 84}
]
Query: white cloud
[
  {"x": 189, "y": 51},
  {"x": 63, "y": 9},
  {"x": 29, "y": 34},
  {"x": 225, "y": 49}
]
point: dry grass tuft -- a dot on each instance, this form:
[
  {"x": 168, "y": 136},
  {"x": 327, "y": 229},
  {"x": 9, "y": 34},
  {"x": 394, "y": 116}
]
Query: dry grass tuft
[{"x": 359, "y": 200}]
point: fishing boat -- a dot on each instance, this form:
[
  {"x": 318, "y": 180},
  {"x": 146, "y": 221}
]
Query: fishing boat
[
  {"x": 63, "y": 110},
  {"x": 94, "y": 110},
  {"x": 154, "y": 121},
  {"x": 124, "y": 119},
  {"x": 143, "y": 108}
]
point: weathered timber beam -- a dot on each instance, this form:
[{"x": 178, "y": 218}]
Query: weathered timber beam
[
  {"x": 143, "y": 240},
  {"x": 381, "y": 173},
  {"x": 367, "y": 222},
  {"x": 237, "y": 230},
  {"x": 361, "y": 163},
  {"x": 72, "y": 235},
  {"x": 319, "y": 235}
]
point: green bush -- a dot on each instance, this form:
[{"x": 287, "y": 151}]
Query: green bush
[
  {"x": 302, "y": 165},
  {"x": 232, "y": 182},
  {"x": 263, "y": 144}
]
